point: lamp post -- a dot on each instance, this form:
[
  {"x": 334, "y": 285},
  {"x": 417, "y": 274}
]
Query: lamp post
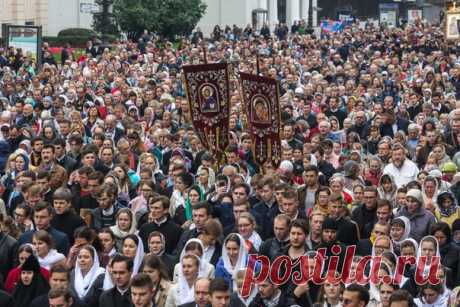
[{"x": 310, "y": 28}]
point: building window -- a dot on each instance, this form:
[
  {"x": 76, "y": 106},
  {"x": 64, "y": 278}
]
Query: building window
[{"x": 282, "y": 11}]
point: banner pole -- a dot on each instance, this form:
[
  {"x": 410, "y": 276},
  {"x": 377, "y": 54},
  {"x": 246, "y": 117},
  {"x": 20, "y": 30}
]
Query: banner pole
[{"x": 205, "y": 55}]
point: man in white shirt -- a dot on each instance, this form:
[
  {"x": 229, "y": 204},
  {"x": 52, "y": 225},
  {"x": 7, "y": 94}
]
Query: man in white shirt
[{"x": 402, "y": 169}]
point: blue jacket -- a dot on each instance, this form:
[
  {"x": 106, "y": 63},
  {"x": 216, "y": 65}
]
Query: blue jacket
[{"x": 221, "y": 271}]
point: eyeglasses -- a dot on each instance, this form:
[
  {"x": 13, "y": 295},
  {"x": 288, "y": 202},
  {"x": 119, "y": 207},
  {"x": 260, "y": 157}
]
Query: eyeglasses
[{"x": 19, "y": 214}]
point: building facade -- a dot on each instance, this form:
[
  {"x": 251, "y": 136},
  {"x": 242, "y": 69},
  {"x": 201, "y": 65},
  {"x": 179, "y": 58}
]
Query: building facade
[
  {"x": 52, "y": 15},
  {"x": 255, "y": 12}
]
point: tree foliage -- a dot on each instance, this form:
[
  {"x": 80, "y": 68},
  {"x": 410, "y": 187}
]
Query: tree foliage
[
  {"x": 168, "y": 18},
  {"x": 103, "y": 22}
]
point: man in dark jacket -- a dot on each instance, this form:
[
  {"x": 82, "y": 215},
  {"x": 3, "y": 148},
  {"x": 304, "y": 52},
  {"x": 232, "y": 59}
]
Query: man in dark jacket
[
  {"x": 273, "y": 246},
  {"x": 105, "y": 214},
  {"x": 120, "y": 294},
  {"x": 364, "y": 246},
  {"x": 62, "y": 158},
  {"x": 42, "y": 220},
  {"x": 8, "y": 247},
  {"x": 161, "y": 222},
  {"x": 59, "y": 280},
  {"x": 65, "y": 219},
  {"x": 365, "y": 215},
  {"x": 450, "y": 253},
  {"x": 328, "y": 241},
  {"x": 5, "y": 299},
  {"x": 201, "y": 212},
  {"x": 347, "y": 230},
  {"x": 270, "y": 295}
]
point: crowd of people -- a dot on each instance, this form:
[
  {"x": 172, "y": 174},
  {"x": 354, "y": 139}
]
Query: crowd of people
[{"x": 110, "y": 199}]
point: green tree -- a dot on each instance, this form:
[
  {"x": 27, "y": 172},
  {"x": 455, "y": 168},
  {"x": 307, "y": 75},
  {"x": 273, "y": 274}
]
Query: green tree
[
  {"x": 104, "y": 22},
  {"x": 168, "y": 18}
]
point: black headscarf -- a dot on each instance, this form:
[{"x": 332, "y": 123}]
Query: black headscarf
[{"x": 23, "y": 295}]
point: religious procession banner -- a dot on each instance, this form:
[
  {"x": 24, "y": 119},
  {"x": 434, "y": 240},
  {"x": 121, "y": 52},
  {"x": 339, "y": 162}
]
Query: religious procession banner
[
  {"x": 261, "y": 100},
  {"x": 207, "y": 87}
]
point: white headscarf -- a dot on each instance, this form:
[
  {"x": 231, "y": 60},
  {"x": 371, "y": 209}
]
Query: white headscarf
[
  {"x": 120, "y": 233},
  {"x": 51, "y": 258},
  {"x": 155, "y": 171},
  {"x": 84, "y": 283},
  {"x": 240, "y": 264},
  {"x": 108, "y": 282},
  {"x": 203, "y": 264},
  {"x": 211, "y": 177},
  {"x": 139, "y": 256},
  {"x": 406, "y": 229},
  {"x": 186, "y": 293},
  {"x": 427, "y": 267},
  {"x": 414, "y": 243}
]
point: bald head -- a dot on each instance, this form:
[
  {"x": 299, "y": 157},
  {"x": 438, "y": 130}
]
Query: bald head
[{"x": 202, "y": 291}]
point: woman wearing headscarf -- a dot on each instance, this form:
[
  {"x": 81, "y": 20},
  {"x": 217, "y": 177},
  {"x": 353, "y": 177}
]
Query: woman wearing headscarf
[
  {"x": 432, "y": 296},
  {"x": 14, "y": 275},
  {"x": 133, "y": 249},
  {"x": 234, "y": 258},
  {"x": 399, "y": 231},
  {"x": 195, "y": 247},
  {"x": 125, "y": 225},
  {"x": 87, "y": 273},
  {"x": 425, "y": 261},
  {"x": 17, "y": 163},
  {"x": 157, "y": 245},
  {"x": 206, "y": 178},
  {"x": 430, "y": 190},
  {"x": 184, "y": 291},
  {"x": 20, "y": 162},
  {"x": 149, "y": 161},
  {"x": 31, "y": 283},
  {"x": 447, "y": 209},
  {"x": 387, "y": 188},
  {"x": 420, "y": 218},
  {"x": 194, "y": 196}
]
